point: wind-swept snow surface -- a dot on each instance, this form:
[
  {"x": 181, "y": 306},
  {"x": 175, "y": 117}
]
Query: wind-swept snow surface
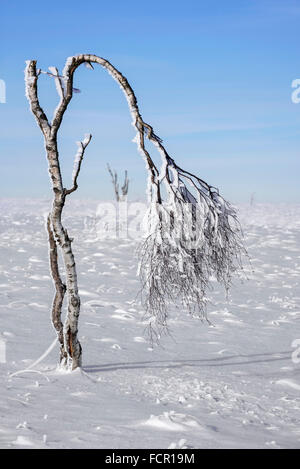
[{"x": 235, "y": 384}]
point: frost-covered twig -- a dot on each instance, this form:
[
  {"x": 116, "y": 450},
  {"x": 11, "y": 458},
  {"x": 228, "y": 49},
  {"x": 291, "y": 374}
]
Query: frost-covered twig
[
  {"x": 186, "y": 245},
  {"x": 193, "y": 235},
  {"x": 77, "y": 162},
  {"x": 124, "y": 187}
]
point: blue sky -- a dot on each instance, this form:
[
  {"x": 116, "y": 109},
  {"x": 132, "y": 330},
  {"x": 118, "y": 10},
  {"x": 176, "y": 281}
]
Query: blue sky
[{"x": 212, "y": 77}]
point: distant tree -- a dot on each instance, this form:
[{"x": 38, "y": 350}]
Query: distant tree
[
  {"x": 192, "y": 232},
  {"x": 124, "y": 188}
]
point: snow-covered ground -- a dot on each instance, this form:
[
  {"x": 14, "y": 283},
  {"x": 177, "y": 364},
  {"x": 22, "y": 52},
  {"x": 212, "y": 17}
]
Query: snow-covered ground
[{"x": 235, "y": 384}]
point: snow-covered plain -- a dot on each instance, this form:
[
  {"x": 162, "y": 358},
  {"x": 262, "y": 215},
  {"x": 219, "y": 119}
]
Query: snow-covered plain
[{"x": 234, "y": 384}]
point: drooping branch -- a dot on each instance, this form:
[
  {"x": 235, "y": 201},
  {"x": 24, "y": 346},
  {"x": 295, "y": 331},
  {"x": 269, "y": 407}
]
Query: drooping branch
[{"x": 192, "y": 237}]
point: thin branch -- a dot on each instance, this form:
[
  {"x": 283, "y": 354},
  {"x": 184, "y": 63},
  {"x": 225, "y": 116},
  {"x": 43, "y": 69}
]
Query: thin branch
[
  {"x": 114, "y": 180},
  {"x": 77, "y": 162},
  {"x": 125, "y": 186},
  {"x": 31, "y": 78},
  {"x": 58, "y": 80}
]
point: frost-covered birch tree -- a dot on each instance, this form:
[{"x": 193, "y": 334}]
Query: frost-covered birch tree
[{"x": 192, "y": 233}]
